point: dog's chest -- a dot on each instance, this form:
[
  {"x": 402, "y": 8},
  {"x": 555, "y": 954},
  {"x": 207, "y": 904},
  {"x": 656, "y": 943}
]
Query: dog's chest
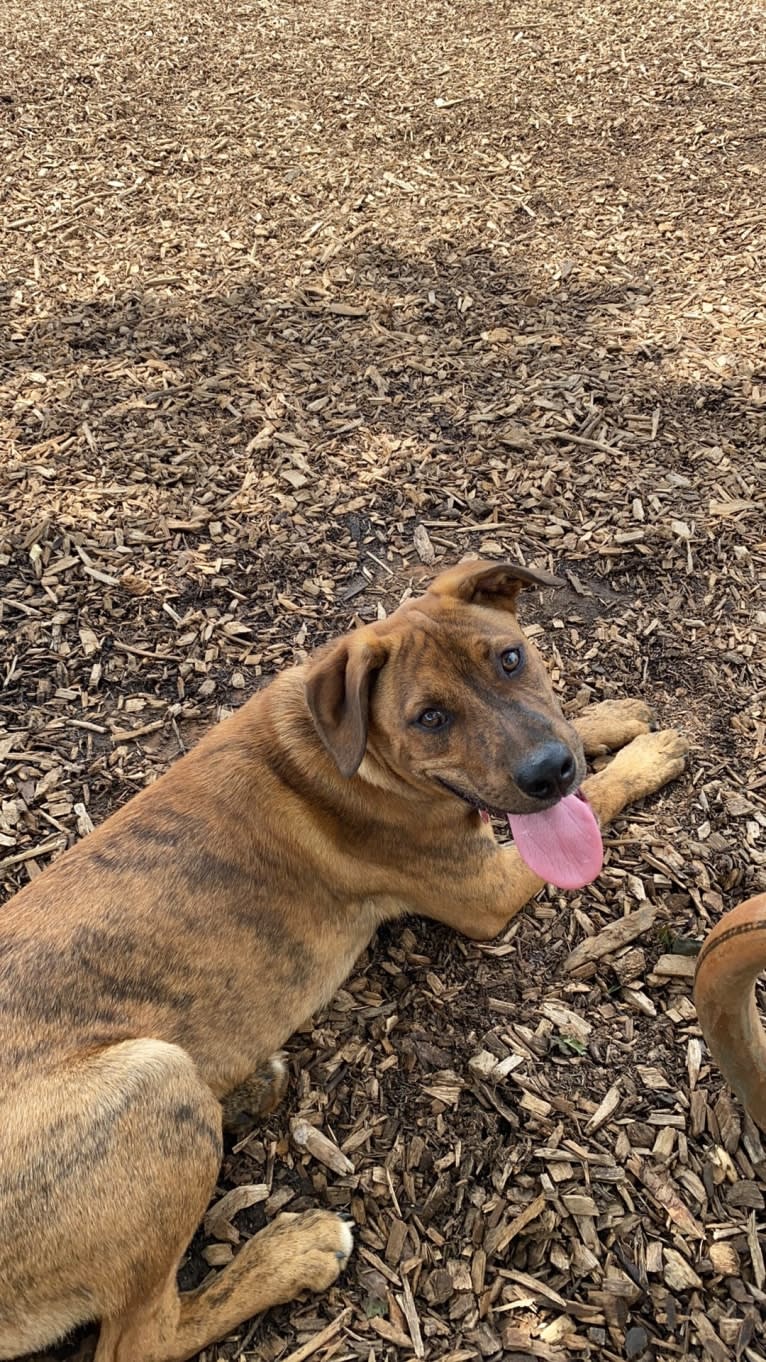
[
  {"x": 276, "y": 996},
  {"x": 337, "y": 949}
]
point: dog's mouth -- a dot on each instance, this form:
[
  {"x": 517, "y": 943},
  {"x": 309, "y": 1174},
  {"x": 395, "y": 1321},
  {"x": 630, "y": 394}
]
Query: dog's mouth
[
  {"x": 487, "y": 811},
  {"x": 562, "y": 844}
]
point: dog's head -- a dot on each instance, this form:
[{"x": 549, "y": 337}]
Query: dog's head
[{"x": 448, "y": 694}]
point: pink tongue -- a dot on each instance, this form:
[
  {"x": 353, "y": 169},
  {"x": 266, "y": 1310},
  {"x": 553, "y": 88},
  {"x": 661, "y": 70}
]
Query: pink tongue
[{"x": 562, "y": 845}]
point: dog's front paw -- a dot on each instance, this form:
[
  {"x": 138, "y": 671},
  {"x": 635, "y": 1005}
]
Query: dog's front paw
[
  {"x": 613, "y": 723},
  {"x": 650, "y": 761}
]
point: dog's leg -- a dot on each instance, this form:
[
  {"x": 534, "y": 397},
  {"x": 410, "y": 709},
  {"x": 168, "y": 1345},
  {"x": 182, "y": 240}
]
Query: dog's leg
[
  {"x": 108, "y": 1165},
  {"x": 107, "y": 1168},
  {"x": 641, "y": 768},
  {"x": 611, "y": 724},
  {"x": 294, "y": 1253},
  {"x": 495, "y": 883},
  {"x": 259, "y": 1095}
]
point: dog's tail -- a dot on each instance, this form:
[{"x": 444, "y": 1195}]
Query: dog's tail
[{"x": 732, "y": 957}]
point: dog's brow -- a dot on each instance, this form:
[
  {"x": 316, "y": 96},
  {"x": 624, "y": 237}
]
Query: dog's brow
[
  {"x": 421, "y": 620},
  {"x": 443, "y": 632},
  {"x": 413, "y": 645}
]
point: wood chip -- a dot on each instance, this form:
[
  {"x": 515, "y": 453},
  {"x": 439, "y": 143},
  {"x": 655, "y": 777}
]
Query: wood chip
[
  {"x": 407, "y": 1302},
  {"x": 662, "y": 1189},
  {"x": 321, "y": 1338},
  {"x": 218, "y": 1219},
  {"x": 497, "y": 1242},
  {"x": 709, "y": 1338},
  {"x": 612, "y": 937},
  {"x": 674, "y": 967},
  {"x": 423, "y": 546},
  {"x": 319, "y": 1146},
  {"x": 724, "y": 1258},
  {"x": 605, "y": 1109},
  {"x": 756, "y": 1252},
  {"x": 679, "y": 1274},
  {"x": 567, "y": 1022}
]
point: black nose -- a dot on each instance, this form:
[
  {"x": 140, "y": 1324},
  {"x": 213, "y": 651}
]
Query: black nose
[{"x": 548, "y": 772}]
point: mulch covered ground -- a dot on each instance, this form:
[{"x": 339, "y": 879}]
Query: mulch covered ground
[{"x": 301, "y": 301}]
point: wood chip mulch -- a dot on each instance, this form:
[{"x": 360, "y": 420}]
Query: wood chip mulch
[{"x": 301, "y": 302}]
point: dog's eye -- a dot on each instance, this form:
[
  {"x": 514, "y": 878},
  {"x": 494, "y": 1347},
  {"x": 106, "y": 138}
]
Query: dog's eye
[
  {"x": 510, "y": 660},
  {"x": 433, "y": 719}
]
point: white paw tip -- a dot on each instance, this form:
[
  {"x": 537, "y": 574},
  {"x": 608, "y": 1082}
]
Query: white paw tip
[{"x": 346, "y": 1241}]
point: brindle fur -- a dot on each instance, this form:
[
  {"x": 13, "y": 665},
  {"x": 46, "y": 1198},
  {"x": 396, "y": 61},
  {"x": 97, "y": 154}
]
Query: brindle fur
[{"x": 154, "y": 968}]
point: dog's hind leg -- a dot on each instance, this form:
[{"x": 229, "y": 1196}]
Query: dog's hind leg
[
  {"x": 259, "y": 1095},
  {"x": 107, "y": 1166},
  {"x": 294, "y": 1253}
]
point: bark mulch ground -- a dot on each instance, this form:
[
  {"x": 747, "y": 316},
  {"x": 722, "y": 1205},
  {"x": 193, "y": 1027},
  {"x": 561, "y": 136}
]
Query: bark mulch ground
[{"x": 300, "y": 302}]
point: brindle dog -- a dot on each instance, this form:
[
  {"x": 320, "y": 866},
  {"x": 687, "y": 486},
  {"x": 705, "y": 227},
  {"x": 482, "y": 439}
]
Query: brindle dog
[{"x": 154, "y": 968}]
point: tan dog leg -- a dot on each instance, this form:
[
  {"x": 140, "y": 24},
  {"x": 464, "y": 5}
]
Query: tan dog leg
[
  {"x": 495, "y": 883},
  {"x": 640, "y": 769},
  {"x": 108, "y": 1167},
  {"x": 612, "y": 724},
  {"x": 295, "y": 1253}
]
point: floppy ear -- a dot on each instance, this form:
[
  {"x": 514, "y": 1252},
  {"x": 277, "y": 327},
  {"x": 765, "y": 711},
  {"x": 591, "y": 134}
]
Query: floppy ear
[
  {"x": 492, "y": 584},
  {"x": 338, "y": 693}
]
